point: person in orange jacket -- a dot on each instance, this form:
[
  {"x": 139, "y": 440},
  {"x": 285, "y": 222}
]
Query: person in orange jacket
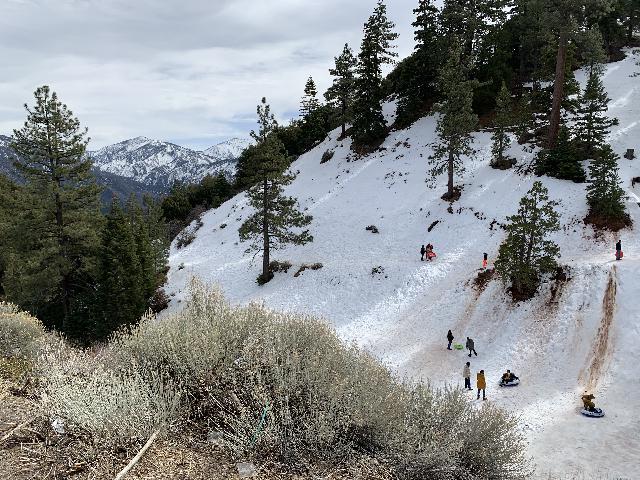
[{"x": 482, "y": 384}]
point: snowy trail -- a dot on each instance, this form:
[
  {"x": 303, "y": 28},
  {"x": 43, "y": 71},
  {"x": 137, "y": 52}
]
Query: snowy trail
[{"x": 558, "y": 345}]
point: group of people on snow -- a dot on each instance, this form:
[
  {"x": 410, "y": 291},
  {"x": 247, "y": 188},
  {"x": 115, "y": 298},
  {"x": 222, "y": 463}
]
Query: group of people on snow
[{"x": 427, "y": 252}]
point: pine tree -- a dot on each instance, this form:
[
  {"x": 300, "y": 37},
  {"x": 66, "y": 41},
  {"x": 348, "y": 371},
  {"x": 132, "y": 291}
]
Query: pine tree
[
  {"x": 456, "y": 121},
  {"x": 341, "y": 92},
  {"x": 592, "y": 124},
  {"x": 122, "y": 286},
  {"x": 275, "y": 217},
  {"x": 309, "y": 103},
  {"x": 500, "y": 137},
  {"x": 561, "y": 161},
  {"x": 369, "y": 124},
  {"x": 421, "y": 69},
  {"x": 605, "y": 196},
  {"x": 527, "y": 253},
  {"x": 59, "y": 221}
]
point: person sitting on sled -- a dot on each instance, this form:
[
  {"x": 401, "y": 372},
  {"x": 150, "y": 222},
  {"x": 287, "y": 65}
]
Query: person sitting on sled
[
  {"x": 430, "y": 254},
  {"x": 508, "y": 376},
  {"x": 587, "y": 400}
]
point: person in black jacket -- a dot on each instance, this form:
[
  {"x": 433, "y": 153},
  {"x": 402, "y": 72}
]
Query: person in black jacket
[
  {"x": 619, "y": 250},
  {"x": 450, "y": 339},
  {"x": 422, "y": 252},
  {"x": 471, "y": 346}
]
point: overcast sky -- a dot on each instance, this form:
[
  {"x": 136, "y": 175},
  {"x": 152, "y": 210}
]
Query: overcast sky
[{"x": 186, "y": 71}]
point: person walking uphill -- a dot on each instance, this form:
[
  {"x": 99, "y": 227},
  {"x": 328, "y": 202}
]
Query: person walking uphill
[
  {"x": 481, "y": 383},
  {"x": 450, "y": 339},
  {"x": 422, "y": 252},
  {"x": 619, "y": 253},
  {"x": 466, "y": 373},
  {"x": 471, "y": 347}
]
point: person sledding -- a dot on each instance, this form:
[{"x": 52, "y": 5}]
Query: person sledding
[
  {"x": 430, "y": 254},
  {"x": 619, "y": 252},
  {"x": 509, "y": 378},
  {"x": 590, "y": 409}
]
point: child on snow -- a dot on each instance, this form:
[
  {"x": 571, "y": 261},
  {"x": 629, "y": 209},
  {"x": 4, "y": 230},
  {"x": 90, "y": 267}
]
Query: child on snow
[
  {"x": 481, "y": 384},
  {"x": 466, "y": 373},
  {"x": 471, "y": 347}
]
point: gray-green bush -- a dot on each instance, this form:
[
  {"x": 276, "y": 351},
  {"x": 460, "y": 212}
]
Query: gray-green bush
[{"x": 19, "y": 332}]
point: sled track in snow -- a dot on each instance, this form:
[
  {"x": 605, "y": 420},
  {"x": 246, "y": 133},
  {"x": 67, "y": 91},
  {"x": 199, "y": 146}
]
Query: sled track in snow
[{"x": 601, "y": 350}]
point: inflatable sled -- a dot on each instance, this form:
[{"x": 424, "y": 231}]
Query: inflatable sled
[
  {"x": 619, "y": 257},
  {"x": 458, "y": 346},
  {"x": 512, "y": 383},
  {"x": 431, "y": 255},
  {"x": 597, "y": 413}
]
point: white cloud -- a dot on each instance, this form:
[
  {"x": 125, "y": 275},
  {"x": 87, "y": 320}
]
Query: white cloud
[{"x": 188, "y": 71}]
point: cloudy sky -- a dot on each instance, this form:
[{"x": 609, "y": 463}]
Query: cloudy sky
[{"x": 186, "y": 71}]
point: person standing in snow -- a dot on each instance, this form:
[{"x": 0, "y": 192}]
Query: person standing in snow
[
  {"x": 422, "y": 252},
  {"x": 619, "y": 250},
  {"x": 481, "y": 384},
  {"x": 466, "y": 373},
  {"x": 471, "y": 347},
  {"x": 450, "y": 339},
  {"x": 485, "y": 260}
]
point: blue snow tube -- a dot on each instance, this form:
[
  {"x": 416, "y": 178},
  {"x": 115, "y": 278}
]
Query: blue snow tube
[{"x": 597, "y": 413}]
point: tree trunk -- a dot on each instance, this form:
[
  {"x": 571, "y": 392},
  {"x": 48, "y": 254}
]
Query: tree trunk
[
  {"x": 558, "y": 90},
  {"x": 450, "y": 172},
  {"x": 265, "y": 232}
]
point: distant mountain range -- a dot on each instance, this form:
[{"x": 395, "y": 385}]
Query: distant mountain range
[{"x": 142, "y": 165}]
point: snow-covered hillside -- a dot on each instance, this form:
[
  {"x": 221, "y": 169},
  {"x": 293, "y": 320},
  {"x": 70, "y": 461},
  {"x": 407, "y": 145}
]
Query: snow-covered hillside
[
  {"x": 583, "y": 336},
  {"x": 160, "y": 164}
]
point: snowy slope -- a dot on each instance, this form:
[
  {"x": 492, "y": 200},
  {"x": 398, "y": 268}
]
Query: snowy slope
[
  {"x": 586, "y": 336},
  {"x": 160, "y": 164}
]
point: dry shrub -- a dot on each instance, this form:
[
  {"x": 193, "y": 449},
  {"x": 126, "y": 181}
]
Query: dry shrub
[{"x": 19, "y": 333}]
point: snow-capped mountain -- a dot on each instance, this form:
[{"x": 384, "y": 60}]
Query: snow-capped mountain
[
  {"x": 161, "y": 164},
  {"x": 6, "y": 158},
  {"x": 577, "y": 335}
]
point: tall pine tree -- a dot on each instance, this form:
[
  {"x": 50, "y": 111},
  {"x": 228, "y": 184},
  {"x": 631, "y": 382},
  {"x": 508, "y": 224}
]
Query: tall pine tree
[
  {"x": 59, "y": 221},
  {"x": 309, "y": 103},
  {"x": 605, "y": 196},
  {"x": 592, "y": 123},
  {"x": 341, "y": 92},
  {"x": 456, "y": 121},
  {"x": 369, "y": 124},
  {"x": 500, "y": 137},
  {"x": 527, "y": 253},
  {"x": 276, "y": 216},
  {"x": 421, "y": 69}
]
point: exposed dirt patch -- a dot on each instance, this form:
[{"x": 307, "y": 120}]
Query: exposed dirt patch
[
  {"x": 483, "y": 279},
  {"x": 601, "y": 348},
  {"x": 560, "y": 280},
  {"x": 600, "y": 222}
]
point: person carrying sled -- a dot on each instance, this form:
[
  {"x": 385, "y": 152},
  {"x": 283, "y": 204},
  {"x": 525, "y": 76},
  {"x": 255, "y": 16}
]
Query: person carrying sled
[
  {"x": 481, "y": 383},
  {"x": 450, "y": 339},
  {"x": 471, "y": 347},
  {"x": 587, "y": 400},
  {"x": 619, "y": 250},
  {"x": 429, "y": 252},
  {"x": 422, "y": 252},
  {"x": 466, "y": 373}
]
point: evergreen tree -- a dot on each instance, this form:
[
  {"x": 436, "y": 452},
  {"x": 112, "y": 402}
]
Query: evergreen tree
[
  {"x": 309, "y": 103},
  {"x": 341, "y": 92},
  {"x": 500, "y": 137},
  {"x": 421, "y": 69},
  {"x": 59, "y": 220},
  {"x": 561, "y": 161},
  {"x": 605, "y": 196},
  {"x": 369, "y": 124},
  {"x": 527, "y": 253},
  {"x": 122, "y": 287},
  {"x": 592, "y": 123},
  {"x": 275, "y": 217},
  {"x": 456, "y": 121}
]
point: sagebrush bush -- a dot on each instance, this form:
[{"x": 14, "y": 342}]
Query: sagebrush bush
[
  {"x": 284, "y": 387},
  {"x": 19, "y": 333}
]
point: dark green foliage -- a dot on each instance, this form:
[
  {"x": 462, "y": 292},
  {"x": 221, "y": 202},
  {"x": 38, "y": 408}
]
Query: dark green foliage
[
  {"x": 309, "y": 101},
  {"x": 340, "y": 93},
  {"x": 56, "y": 220},
  {"x": 419, "y": 72},
  {"x": 605, "y": 196},
  {"x": 185, "y": 202},
  {"x": 277, "y": 220},
  {"x": 562, "y": 161},
  {"x": 501, "y": 125},
  {"x": 592, "y": 123},
  {"x": 369, "y": 124},
  {"x": 456, "y": 122},
  {"x": 526, "y": 254}
]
